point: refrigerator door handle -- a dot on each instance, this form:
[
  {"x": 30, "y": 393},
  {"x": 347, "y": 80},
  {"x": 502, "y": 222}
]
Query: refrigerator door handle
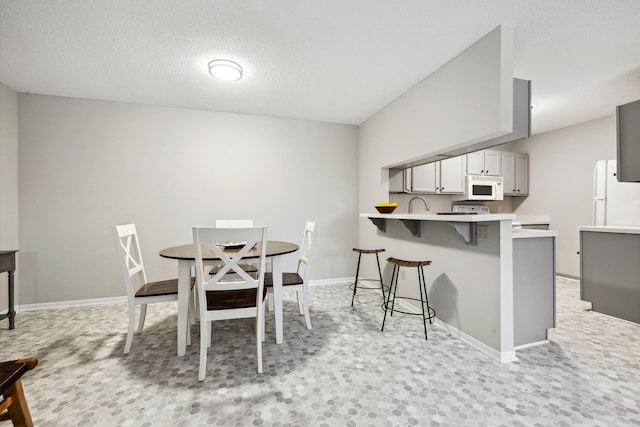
[{"x": 599, "y": 217}]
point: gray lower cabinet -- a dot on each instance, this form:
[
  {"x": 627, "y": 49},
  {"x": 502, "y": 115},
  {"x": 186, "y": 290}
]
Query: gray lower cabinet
[
  {"x": 610, "y": 273},
  {"x": 534, "y": 289}
]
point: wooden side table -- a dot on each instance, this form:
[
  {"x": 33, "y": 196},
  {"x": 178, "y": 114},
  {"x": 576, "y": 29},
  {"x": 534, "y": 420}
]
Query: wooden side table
[{"x": 8, "y": 265}]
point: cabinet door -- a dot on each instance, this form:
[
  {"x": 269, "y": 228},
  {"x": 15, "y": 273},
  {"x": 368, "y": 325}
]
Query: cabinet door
[
  {"x": 487, "y": 162},
  {"x": 492, "y": 163},
  {"x": 424, "y": 178},
  {"x": 475, "y": 163},
  {"x": 509, "y": 173},
  {"x": 452, "y": 175},
  {"x": 396, "y": 180},
  {"x": 522, "y": 174}
]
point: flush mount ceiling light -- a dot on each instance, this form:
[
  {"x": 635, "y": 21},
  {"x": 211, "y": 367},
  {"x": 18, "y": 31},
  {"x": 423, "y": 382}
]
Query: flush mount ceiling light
[{"x": 223, "y": 69}]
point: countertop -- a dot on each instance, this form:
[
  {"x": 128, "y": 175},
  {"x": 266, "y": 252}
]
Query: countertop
[
  {"x": 625, "y": 229},
  {"x": 523, "y": 233},
  {"x": 532, "y": 219},
  {"x": 445, "y": 217}
]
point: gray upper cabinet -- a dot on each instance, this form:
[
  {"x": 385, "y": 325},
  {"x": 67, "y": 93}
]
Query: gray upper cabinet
[
  {"x": 628, "y": 136},
  {"x": 522, "y": 175},
  {"x": 515, "y": 173},
  {"x": 398, "y": 181},
  {"x": 447, "y": 176},
  {"x": 424, "y": 178},
  {"x": 487, "y": 162},
  {"x": 442, "y": 177},
  {"x": 452, "y": 172}
]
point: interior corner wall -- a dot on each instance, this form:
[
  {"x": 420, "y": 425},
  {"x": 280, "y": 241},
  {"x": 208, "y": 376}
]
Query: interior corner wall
[
  {"x": 561, "y": 166},
  {"x": 86, "y": 165},
  {"x": 8, "y": 182}
]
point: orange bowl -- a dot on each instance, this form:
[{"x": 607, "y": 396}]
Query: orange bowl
[{"x": 385, "y": 209}]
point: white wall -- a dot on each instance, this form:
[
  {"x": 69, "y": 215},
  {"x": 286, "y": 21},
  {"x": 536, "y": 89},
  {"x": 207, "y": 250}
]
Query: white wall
[
  {"x": 8, "y": 182},
  {"x": 561, "y": 174},
  {"x": 85, "y": 165}
]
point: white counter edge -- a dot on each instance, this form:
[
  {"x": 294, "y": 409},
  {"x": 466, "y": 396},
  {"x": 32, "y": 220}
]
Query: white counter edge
[
  {"x": 523, "y": 233},
  {"x": 625, "y": 229},
  {"x": 446, "y": 218},
  {"x": 528, "y": 219}
]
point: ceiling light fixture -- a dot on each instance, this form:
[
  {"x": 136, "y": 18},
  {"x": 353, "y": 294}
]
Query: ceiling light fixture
[{"x": 223, "y": 69}]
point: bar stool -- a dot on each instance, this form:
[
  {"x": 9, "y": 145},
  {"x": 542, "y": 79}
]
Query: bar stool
[
  {"x": 424, "y": 299},
  {"x": 355, "y": 283}
]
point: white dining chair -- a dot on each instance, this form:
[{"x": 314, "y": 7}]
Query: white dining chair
[
  {"x": 297, "y": 281},
  {"x": 234, "y": 223},
  {"x": 248, "y": 266},
  {"x": 229, "y": 296},
  {"x": 139, "y": 290}
]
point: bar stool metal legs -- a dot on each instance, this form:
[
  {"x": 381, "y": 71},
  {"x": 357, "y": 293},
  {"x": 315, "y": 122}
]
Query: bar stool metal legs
[
  {"x": 355, "y": 283},
  {"x": 428, "y": 313}
]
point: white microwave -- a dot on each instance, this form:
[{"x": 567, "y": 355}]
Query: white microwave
[{"x": 480, "y": 187}]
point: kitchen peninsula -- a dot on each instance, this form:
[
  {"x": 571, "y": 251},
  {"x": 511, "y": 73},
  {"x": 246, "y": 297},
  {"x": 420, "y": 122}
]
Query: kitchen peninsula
[{"x": 490, "y": 285}]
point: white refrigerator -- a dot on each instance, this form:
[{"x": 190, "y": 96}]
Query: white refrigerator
[{"x": 614, "y": 203}]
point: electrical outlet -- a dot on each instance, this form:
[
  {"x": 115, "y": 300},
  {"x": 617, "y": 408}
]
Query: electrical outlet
[
  {"x": 402, "y": 276},
  {"x": 483, "y": 232}
]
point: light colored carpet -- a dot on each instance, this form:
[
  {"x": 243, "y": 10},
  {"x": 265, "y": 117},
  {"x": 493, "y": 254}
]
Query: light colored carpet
[{"x": 344, "y": 372}]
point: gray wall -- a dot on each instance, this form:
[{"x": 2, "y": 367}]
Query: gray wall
[
  {"x": 8, "y": 180},
  {"x": 85, "y": 165},
  {"x": 561, "y": 174},
  {"x": 446, "y": 106}
]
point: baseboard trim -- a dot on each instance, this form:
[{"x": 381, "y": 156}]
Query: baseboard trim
[
  {"x": 334, "y": 281},
  {"x": 67, "y": 304},
  {"x": 531, "y": 344},
  {"x": 501, "y": 356},
  {"x": 121, "y": 299}
]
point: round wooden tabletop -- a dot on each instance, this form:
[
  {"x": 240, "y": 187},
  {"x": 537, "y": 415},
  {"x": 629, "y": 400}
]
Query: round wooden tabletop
[{"x": 274, "y": 248}]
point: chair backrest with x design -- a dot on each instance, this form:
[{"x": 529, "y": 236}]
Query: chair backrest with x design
[
  {"x": 208, "y": 239},
  {"x": 305, "y": 248},
  {"x": 130, "y": 257}
]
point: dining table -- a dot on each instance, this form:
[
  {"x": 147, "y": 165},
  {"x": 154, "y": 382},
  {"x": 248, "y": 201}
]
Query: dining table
[{"x": 185, "y": 254}]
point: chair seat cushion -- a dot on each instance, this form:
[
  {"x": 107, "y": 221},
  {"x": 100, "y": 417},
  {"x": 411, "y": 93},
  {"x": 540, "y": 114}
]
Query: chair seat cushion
[
  {"x": 288, "y": 279},
  {"x": 10, "y": 372},
  {"x": 162, "y": 287},
  {"x": 240, "y": 298}
]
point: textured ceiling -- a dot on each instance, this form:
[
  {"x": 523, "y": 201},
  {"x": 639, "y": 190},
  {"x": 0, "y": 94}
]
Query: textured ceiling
[{"x": 330, "y": 60}]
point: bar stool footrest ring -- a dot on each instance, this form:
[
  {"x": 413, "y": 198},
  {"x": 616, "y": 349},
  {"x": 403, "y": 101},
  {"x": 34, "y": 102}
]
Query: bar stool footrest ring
[
  {"x": 431, "y": 314},
  {"x": 366, "y": 288}
]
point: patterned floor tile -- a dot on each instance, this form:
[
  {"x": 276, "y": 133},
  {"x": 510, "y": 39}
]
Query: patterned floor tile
[{"x": 344, "y": 372}]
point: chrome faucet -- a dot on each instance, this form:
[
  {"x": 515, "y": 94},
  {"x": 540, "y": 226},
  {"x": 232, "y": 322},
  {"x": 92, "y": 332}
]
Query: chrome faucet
[{"x": 426, "y": 205}]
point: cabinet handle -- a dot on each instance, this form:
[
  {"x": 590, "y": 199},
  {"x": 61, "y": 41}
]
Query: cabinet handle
[
  {"x": 513, "y": 191},
  {"x": 518, "y": 191},
  {"x": 441, "y": 188},
  {"x": 482, "y": 171}
]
